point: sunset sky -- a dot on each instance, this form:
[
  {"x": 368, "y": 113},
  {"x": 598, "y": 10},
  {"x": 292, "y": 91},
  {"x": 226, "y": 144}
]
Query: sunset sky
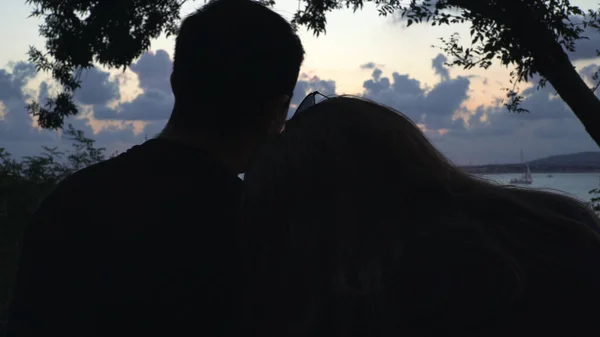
[{"x": 361, "y": 53}]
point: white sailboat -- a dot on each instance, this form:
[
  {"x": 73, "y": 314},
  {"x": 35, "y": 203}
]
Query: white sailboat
[{"x": 525, "y": 178}]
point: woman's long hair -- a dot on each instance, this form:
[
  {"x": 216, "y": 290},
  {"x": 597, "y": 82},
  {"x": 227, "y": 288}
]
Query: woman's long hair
[{"x": 334, "y": 202}]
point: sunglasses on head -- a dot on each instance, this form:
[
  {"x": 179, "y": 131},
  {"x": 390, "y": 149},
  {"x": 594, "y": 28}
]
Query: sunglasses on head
[{"x": 309, "y": 101}]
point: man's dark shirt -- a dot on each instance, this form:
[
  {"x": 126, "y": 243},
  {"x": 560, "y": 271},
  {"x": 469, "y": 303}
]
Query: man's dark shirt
[{"x": 143, "y": 244}]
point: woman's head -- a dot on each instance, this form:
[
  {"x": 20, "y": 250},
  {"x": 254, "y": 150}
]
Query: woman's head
[
  {"x": 350, "y": 182},
  {"x": 349, "y": 158}
]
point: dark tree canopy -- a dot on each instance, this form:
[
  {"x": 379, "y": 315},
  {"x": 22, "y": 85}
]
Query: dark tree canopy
[
  {"x": 531, "y": 36},
  {"x": 80, "y": 34}
]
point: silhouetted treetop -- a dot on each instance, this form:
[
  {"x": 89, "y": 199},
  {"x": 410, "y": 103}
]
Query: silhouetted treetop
[{"x": 79, "y": 34}]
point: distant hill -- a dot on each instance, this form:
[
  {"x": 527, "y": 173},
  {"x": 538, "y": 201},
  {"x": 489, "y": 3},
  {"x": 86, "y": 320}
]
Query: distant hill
[
  {"x": 574, "y": 162},
  {"x": 577, "y": 159}
]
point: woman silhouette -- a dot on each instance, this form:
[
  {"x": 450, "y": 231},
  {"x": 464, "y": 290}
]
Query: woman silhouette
[{"x": 358, "y": 226}]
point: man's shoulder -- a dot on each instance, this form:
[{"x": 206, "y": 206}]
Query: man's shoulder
[
  {"x": 154, "y": 173},
  {"x": 153, "y": 170},
  {"x": 97, "y": 175},
  {"x": 90, "y": 184},
  {"x": 83, "y": 196}
]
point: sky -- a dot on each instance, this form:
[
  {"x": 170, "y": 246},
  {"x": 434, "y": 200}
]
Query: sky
[{"x": 361, "y": 53}]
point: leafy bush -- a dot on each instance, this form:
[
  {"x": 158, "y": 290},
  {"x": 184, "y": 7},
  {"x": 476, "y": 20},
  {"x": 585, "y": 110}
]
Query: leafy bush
[
  {"x": 23, "y": 185},
  {"x": 595, "y": 201}
]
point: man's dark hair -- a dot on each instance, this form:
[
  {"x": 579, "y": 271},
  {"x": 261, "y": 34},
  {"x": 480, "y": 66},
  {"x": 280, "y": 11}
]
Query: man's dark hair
[{"x": 231, "y": 57}]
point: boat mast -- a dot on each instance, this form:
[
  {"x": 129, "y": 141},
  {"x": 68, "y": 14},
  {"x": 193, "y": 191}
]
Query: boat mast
[{"x": 522, "y": 156}]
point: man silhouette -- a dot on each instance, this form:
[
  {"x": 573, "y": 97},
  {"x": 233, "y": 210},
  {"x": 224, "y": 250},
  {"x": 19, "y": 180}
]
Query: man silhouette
[{"x": 144, "y": 244}]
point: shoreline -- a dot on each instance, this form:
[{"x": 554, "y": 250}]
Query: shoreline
[
  {"x": 532, "y": 172},
  {"x": 519, "y": 169}
]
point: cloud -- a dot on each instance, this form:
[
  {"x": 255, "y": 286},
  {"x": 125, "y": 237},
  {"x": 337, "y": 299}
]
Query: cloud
[
  {"x": 12, "y": 81},
  {"x": 436, "y": 107},
  {"x": 586, "y": 48},
  {"x": 17, "y": 131},
  {"x": 370, "y": 66},
  {"x": 151, "y": 105},
  {"x": 496, "y": 135},
  {"x": 154, "y": 71},
  {"x": 155, "y": 103},
  {"x": 443, "y": 101},
  {"x": 439, "y": 65},
  {"x": 16, "y": 124},
  {"x": 588, "y": 72},
  {"x": 485, "y": 134},
  {"x": 96, "y": 88}
]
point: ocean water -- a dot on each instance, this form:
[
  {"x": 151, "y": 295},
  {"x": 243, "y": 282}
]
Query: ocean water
[{"x": 577, "y": 185}]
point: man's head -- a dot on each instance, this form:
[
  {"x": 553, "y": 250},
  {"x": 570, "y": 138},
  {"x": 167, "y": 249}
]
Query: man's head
[{"x": 235, "y": 67}]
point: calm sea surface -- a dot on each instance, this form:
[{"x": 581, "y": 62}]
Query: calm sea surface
[{"x": 576, "y": 185}]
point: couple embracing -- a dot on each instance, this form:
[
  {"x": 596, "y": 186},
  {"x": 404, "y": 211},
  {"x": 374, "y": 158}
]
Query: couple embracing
[{"x": 348, "y": 223}]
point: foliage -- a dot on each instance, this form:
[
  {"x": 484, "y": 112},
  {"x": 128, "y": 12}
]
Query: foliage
[
  {"x": 23, "y": 184},
  {"x": 81, "y": 33},
  {"x": 595, "y": 200}
]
